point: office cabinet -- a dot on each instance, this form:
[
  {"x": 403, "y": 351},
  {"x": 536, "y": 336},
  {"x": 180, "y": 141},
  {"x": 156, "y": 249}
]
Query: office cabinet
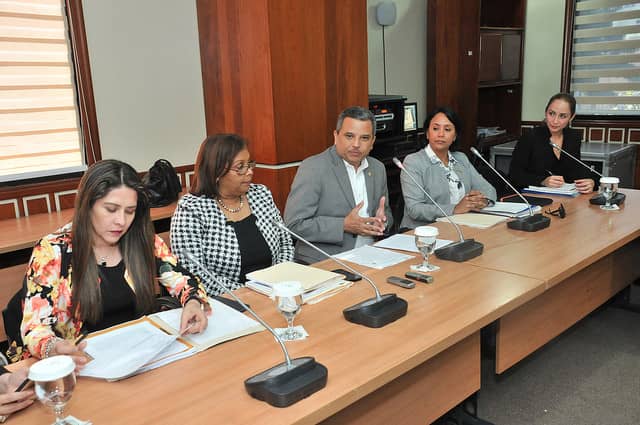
[
  {"x": 474, "y": 64},
  {"x": 500, "y": 53}
]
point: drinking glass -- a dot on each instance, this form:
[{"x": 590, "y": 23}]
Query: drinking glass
[
  {"x": 609, "y": 188},
  {"x": 288, "y": 297},
  {"x": 54, "y": 383},
  {"x": 425, "y": 237}
]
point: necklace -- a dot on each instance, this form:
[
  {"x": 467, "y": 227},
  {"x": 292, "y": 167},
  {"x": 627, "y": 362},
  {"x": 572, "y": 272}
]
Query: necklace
[{"x": 231, "y": 210}]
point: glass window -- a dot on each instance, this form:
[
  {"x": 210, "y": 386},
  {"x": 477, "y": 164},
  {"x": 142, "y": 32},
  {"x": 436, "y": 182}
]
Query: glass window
[
  {"x": 605, "y": 64},
  {"x": 39, "y": 121}
]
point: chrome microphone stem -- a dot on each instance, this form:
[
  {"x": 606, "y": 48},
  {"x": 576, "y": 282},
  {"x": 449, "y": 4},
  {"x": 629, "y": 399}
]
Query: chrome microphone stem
[
  {"x": 326, "y": 254},
  {"x": 476, "y": 153},
  {"x": 401, "y": 166},
  {"x": 574, "y": 158},
  {"x": 235, "y": 297}
]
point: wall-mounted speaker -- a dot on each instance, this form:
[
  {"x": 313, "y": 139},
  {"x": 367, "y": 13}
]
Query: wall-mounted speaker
[{"x": 386, "y": 13}]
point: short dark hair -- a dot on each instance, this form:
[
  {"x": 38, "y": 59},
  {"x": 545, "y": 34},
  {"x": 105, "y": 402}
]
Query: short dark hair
[
  {"x": 214, "y": 160},
  {"x": 451, "y": 116},
  {"x": 357, "y": 113},
  {"x": 567, "y": 97}
]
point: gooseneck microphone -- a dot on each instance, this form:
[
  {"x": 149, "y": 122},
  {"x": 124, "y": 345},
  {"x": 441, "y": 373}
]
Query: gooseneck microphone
[
  {"x": 374, "y": 312},
  {"x": 287, "y": 382},
  {"x": 553, "y": 145},
  {"x": 597, "y": 199},
  {"x": 464, "y": 249},
  {"x": 532, "y": 223}
]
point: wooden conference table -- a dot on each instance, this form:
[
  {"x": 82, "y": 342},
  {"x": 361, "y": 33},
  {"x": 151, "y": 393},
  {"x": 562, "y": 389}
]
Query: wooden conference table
[{"x": 410, "y": 371}]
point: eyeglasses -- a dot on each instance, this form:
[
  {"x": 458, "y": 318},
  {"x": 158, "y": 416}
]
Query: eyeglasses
[
  {"x": 560, "y": 212},
  {"x": 244, "y": 167}
]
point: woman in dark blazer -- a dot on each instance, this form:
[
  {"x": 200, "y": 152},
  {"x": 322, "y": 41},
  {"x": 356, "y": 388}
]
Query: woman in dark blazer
[
  {"x": 536, "y": 163},
  {"x": 227, "y": 223}
]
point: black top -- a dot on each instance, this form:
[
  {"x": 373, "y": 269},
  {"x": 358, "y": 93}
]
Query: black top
[
  {"x": 533, "y": 158},
  {"x": 254, "y": 251},
  {"x": 118, "y": 299}
]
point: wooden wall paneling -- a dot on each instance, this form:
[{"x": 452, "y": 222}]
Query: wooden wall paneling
[
  {"x": 452, "y": 61},
  {"x": 279, "y": 72},
  {"x": 298, "y": 53},
  {"x": 347, "y": 58},
  {"x": 236, "y": 73}
]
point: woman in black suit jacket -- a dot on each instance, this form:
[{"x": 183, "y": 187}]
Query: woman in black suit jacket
[{"x": 536, "y": 163}]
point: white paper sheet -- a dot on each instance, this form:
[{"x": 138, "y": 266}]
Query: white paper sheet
[
  {"x": 376, "y": 258},
  {"x": 224, "y": 322},
  {"x": 120, "y": 352},
  {"x": 406, "y": 243}
]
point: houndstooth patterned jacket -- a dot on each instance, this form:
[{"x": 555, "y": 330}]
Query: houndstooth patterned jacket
[{"x": 199, "y": 227}]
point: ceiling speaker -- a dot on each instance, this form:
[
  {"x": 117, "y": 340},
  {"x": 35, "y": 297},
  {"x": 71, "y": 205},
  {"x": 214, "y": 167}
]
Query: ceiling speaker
[{"x": 386, "y": 13}]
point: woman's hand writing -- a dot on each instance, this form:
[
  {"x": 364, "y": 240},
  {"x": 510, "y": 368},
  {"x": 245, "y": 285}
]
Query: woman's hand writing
[
  {"x": 194, "y": 318},
  {"x": 553, "y": 181}
]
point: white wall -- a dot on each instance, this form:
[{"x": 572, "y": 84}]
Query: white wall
[
  {"x": 406, "y": 52},
  {"x": 544, "y": 35},
  {"x": 147, "y": 81}
]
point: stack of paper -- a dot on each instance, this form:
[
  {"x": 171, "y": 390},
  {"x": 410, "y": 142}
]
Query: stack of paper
[
  {"x": 567, "y": 189},
  {"x": 153, "y": 341},
  {"x": 317, "y": 283},
  {"x": 510, "y": 209}
]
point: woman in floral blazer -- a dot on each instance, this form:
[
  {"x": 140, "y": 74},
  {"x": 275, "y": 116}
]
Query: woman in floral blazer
[{"x": 101, "y": 271}]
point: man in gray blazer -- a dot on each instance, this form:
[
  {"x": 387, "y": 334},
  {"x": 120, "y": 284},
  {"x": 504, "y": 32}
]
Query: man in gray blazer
[{"x": 338, "y": 197}]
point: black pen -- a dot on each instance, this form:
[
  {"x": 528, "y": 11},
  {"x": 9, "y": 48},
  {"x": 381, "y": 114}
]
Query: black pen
[
  {"x": 22, "y": 385},
  {"x": 81, "y": 338},
  {"x": 549, "y": 172}
]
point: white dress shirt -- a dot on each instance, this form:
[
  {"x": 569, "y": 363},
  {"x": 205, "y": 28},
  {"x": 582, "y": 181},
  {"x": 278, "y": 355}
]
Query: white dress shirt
[{"x": 359, "y": 189}]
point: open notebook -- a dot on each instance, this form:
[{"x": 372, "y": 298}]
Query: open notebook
[{"x": 153, "y": 341}]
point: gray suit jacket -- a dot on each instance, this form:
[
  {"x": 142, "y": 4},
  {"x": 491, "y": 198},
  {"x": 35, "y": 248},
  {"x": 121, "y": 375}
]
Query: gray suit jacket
[
  {"x": 418, "y": 209},
  {"x": 320, "y": 199}
]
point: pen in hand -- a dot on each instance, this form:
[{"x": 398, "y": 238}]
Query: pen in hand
[
  {"x": 22, "y": 385},
  {"x": 80, "y": 338},
  {"x": 189, "y": 326},
  {"x": 549, "y": 172}
]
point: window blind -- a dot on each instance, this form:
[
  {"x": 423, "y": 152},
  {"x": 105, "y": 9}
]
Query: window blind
[
  {"x": 605, "y": 72},
  {"x": 39, "y": 122}
]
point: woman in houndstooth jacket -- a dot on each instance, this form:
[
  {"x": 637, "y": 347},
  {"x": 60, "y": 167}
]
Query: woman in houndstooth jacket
[{"x": 226, "y": 222}]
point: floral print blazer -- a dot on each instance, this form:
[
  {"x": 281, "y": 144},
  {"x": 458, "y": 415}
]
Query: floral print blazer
[{"x": 47, "y": 310}]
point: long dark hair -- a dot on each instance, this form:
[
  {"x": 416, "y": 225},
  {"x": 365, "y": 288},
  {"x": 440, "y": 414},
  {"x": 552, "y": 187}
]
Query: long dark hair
[
  {"x": 136, "y": 245},
  {"x": 451, "y": 116},
  {"x": 213, "y": 161}
]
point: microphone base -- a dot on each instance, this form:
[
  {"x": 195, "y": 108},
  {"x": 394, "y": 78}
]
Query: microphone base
[
  {"x": 617, "y": 199},
  {"x": 283, "y": 385},
  {"x": 532, "y": 223},
  {"x": 375, "y": 313},
  {"x": 460, "y": 251}
]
